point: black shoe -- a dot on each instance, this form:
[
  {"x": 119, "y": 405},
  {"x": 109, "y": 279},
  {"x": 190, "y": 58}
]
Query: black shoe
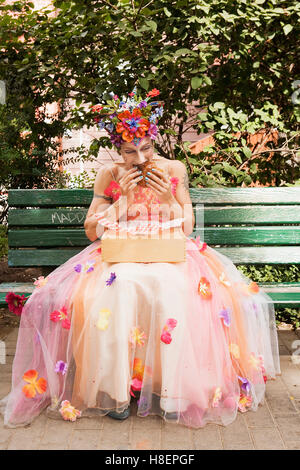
[
  {"x": 115, "y": 415},
  {"x": 171, "y": 415}
]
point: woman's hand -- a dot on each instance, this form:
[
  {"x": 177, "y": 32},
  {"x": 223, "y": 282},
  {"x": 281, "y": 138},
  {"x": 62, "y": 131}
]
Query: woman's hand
[
  {"x": 160, "y": 183},
  {"x": 128, "y": 181}
]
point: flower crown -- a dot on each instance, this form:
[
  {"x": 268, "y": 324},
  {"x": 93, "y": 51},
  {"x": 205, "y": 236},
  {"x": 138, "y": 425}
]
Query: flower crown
[{"x": 130, "y": 119}]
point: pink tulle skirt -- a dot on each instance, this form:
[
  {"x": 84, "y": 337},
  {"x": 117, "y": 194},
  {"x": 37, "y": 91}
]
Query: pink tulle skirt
[{"x": 193, "y": 342}]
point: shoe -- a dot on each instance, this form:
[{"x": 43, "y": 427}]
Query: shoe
[
  {"x": 171, "y": 415},
  {"x": 124, "y": 415}
]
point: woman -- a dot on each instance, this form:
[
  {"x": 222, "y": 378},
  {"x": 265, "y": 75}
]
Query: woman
[{"x": 194, "y": 340}]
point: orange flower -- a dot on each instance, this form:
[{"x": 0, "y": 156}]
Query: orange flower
[
  {"x": 136, "y": 113},
  {"x": 97, "y": 108},
  {"x": 253, "y": 287},
  {"x": 153, "y": 92},
  {"x": 127, "y": 136},
  {"x": 144, "y": 124},
  {"x": 204, "y": 288},
  {"x": 120, "y": 128},
  {"x": 34, "y": 385},
  {"x": 124, "y": 115},
  {"x": 140, "y": 133}
]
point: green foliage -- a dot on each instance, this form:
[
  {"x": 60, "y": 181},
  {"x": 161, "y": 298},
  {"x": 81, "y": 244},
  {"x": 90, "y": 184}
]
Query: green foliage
[
  {"x": 234, "y": 62},
  {"x": 3, "y": 241}
]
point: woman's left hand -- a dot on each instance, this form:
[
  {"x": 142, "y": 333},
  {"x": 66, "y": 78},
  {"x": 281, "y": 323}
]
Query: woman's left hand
[{"x": 160, "y": 183}]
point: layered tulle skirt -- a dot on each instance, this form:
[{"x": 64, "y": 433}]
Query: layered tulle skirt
[{"x": 193, "y": 342}]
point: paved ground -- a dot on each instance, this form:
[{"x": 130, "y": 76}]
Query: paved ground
[{"x": 276, "y": 424}]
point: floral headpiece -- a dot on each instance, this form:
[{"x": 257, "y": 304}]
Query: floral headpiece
[{"x": 130, "y": 119}]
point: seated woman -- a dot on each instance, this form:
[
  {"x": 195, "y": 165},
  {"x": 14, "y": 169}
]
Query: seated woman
[{"x": 192, "y": 338}]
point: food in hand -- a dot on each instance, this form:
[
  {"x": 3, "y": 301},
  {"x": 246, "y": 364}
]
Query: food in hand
[{"x": 145, "y": 167}]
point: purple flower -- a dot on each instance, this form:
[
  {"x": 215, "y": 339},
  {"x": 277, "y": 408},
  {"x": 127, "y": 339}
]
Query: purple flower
[
  {"x": 111, "y": 279},
  {"x": 78, "y": 268},
  {"x": 152, "y": 131},
  {"x": 246, "y": 386},
  {"x": 143, "y": 104},
  {"x": 225, "y": 315},
  {"x": 61, "y": 367}
]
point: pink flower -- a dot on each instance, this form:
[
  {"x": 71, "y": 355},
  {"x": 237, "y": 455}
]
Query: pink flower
[
  {"x": 171, "y": 323},
  {"x": 15, "y": 302},
  {"x": 61, "y": 315},
  {"x": 174, "y": 181},
  {"x": 68, "y": 412},
  {"x": 136, "y": 385},
  {"x": 166, "y": 337}
]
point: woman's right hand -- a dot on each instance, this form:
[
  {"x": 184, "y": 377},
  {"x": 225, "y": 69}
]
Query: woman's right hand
[{"x": 128, "y": 181}]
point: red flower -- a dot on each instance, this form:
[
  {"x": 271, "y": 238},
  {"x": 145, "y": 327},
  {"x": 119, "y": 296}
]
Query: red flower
[
  {"x": 113, "y": 190},
  {"x": 153, "y": 92},
  {"x": 15, "y": 302},
  {"x": 61, "y": 315}
]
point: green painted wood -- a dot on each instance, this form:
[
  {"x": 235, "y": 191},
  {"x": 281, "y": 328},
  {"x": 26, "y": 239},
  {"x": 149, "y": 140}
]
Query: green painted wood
[
  {"x": 49, "y": 197},
  {"x": 212, "y": 215},
  {"x": 240, "y": 255},
  {"x": 51, "y": 257},
  {"x": 42, "y": 217},
  {"x": 261, "y": 254},
  {"x": 212, "y": 196},
  {"x": 44, "y": 237},
  {"x": 257, "y": 215},
  {"x": 212, "y": 236},
  {"x": 272, "y": 195},
  {"x": 289, "y": 235}
]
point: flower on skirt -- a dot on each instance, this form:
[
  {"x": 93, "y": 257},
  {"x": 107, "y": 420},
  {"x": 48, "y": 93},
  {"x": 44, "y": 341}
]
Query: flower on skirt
[
  {"x": 246, "y": 386},
  {"x": 138, "y": 374},
  {"x": 223, "y": 280},
  {"x": 217, "y": 397},
  {"x": 34, "y": 386},
  {"x": 234, "y": 350},
  {"x": 85, "y": 268},
  {"x": 111, "y": 279},
  {"x": 167, "y": 329},
  {"x": 15, "y": 302},
  {"x": 204, "y": 288},
  {"x": 68, "y": 412},
  {"x": 225, "y": 316},
  {"x": 250, "y": 289},
  {"x": 137, "y": 336},
  {"x": 61, "y": 315},
  {"x": 201, "y": 245},
  {"x": 256, "y": 362},
  {"x": 244, "y": 402},
  {"x": 61, "y": 367},
  {"x": 40, "y": 281},
  {"x": 103, "y": 321}
]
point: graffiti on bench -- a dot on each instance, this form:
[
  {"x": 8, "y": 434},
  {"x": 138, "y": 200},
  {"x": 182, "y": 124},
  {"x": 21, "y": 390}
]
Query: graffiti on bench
[{"x": 70, "y": 217}]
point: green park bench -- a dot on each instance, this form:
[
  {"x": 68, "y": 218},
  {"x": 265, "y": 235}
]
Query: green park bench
[{"x": 249, "y": 225}]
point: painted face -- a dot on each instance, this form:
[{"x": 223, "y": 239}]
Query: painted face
[{"x": 137, "y": 154}]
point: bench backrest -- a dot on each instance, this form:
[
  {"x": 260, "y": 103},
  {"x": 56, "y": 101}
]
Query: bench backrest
[{"x": 249, "y": 225}]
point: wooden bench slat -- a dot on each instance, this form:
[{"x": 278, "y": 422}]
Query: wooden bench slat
[
  {"x": 240, "y": 255},
  {"x": 271, "y": 195},
  {"x": 49, "y": 197},
  {"x": 212, "y": 236},
  {"x": 83, "y": 197},
  {"x": 212, "y": 215},
  {"x": 262, "y": 214}
]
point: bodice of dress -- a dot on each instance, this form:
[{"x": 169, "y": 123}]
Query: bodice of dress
[{"x": 146, "y": 204}]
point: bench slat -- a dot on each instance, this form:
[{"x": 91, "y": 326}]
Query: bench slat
[
  {"x": 212, "y": 215},
  {"x": 288, "y": 235},
  {"x": 272, "y": 195},
  {"x": 83, "y": 197},
  {"x": 240, "y": 255}
]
